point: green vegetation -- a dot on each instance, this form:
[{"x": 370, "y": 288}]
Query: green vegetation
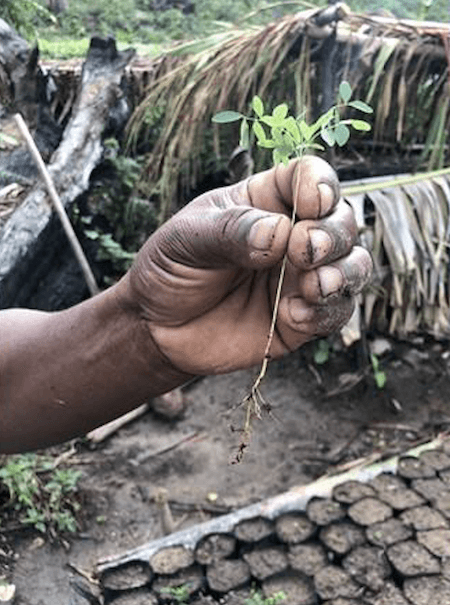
[
  {"x": 256, "y": 598},
  {"x": 24, "y": 15},
  {"x": 321, "y": 352},
  {"x": 42, "y": 496},
  {"x": 120, "y": 214},
  {"x": 179, "y": 594},
  {"x": 378, "y": 374},
  {"x": 138, "y": 22},
  {"x": 432, "y": 10},
  {"x": 291, "y": 136}
]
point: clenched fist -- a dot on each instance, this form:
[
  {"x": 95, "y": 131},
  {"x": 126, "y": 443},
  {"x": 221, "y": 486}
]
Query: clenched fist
[{"x": 206, "y": 281}]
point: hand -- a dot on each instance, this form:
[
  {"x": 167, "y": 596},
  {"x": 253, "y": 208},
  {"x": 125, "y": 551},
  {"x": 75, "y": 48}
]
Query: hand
[{"x": 205, "y": 282}]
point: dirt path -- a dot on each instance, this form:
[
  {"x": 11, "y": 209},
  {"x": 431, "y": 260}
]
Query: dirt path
[{"x": 309, "y": 433}]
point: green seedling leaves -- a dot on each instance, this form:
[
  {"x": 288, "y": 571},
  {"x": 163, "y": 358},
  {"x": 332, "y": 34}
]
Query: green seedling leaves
[
  {"x": 378, "y": 374},
  {"x": 361, "y": 106},
  {"x": 258, "y": 106},
  {"x": 360, "y": 125},
  {"x": 279, "y": 114},
  {"x": 341, "y": 134},
  {"x": 328, "y": 136},
  {"x": 223, "y": 117},
  {"x": 244, "y": 137},
  {"x": 321, "y": 352},
  {"x": 345, "y": 92},
  {"x": 288, "y": 136}
]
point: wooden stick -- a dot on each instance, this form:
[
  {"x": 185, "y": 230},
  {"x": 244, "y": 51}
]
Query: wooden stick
[
  {"x": 106, "y": 430},
  {"x": 59, "y": 207}
]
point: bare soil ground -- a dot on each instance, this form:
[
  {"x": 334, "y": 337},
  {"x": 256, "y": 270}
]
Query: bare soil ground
[{"x": 315, "y": 425}]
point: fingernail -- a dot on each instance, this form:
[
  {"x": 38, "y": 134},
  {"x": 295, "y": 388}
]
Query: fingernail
[
  {"x": 330, "y": 280},
  {"x": 299, "y": 311},
  {"x": 262, "y": 233},
  {"x": 321, "y": 244},
  {"x": 327, "y": 198}
]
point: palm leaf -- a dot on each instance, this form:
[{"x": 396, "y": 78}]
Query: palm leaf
[{"x": 410, "y": 242}]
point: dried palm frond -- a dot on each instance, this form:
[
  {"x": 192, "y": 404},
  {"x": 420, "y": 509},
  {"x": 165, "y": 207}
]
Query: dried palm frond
[
  {"x": 400, "y": 67},
  {"x": 407, "y": 231}
]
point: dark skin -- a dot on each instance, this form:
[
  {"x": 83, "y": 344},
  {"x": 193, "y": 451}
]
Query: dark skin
[{"x": 197, "y": 301}]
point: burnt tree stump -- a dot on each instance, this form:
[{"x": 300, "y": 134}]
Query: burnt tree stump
[{"x": 31, "y": 240}]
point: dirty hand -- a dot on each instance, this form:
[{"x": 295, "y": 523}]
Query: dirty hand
[{"x": 205, "y": 282}]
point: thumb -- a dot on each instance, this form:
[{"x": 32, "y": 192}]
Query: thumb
[{"x": 240, "y": 235}]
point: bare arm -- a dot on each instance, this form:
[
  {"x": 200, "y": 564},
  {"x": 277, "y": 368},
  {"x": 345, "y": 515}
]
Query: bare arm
[
  {"x": 63, "y": 373},
  {"x": 198, "y": 300}
]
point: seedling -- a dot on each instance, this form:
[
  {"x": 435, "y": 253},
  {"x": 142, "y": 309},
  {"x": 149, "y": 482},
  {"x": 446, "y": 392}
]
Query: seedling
[
  {"x": 378, "y": 374},
  {"x": 256, "y": 598},
  {"x": 321, "y": 352},
  {"x": 42, "y": 495},
  {"x": 288, "y": 137},
  {"x": 180, "y": 594}
]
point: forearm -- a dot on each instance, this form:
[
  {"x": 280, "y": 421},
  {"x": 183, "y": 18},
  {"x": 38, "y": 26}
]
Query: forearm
[{"x": 63, "y": 373}]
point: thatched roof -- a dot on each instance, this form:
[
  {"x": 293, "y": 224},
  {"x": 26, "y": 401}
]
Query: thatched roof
[{"x": 399, "y": 67}]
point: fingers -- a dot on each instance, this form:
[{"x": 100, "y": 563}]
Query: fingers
[
  {"x": 322, "y": 300},
  {"x": 345, "y": 277},
  {"x": 207, "y": 236},
  {"x": 309, "y": 183},
  {"x": 249, "y": 223},
  {"x": 322, "y": 241},
  {"x": 298, "y": 322}
]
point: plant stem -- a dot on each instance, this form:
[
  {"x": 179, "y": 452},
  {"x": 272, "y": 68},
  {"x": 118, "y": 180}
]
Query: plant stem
[{"x": 253, "y": 399}]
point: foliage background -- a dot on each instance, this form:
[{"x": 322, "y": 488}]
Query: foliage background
[{"x": 139, "y": 21}]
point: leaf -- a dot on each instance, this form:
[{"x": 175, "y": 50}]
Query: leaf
[
  {"x": 258, "y": 106},
  {"x": 307, "y": 131},
  {"x": 361, "y": 106},
  {"x": 328, "y": 136},
  {"x": 360, "y": 125},
  {"x": 321, "y": 352},
  {"x": 386, "y": 50},
  {"x": 323, "y": 121},
  {"x": 278, "y": 137},
  {"x": 267, "y": 144},
  {"x": 244, "y": 139},
  {"x": 316, "y": 146},
  {"x": 279, "y": 157},
  {"x": 380, "y": 379},
  {"x": 91, "y": 234},
  {"x": 276, "y": 156},
  {"x": 223, "y": 117},
  {"x": 280, "y": 113},
  {"x": 292, "y": 128},
  {"x": 345, "y": 91},
  {"x": 341, "y": 134},
  {"x": 258, "y": 130},
  {"x": 269, "y": 120}
]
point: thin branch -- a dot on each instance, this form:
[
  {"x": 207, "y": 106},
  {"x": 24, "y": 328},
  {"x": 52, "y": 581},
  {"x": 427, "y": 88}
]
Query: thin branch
[{"x": 59, "y": 207}]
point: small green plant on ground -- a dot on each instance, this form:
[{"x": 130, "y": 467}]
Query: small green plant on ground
[
  {"x": 179, "y": 594},
  {"x": 288, "y": 137},
  {"x": 43, "y": 496},
  {"x": 321, "y": 351},
  {"x": 256, "y": 598},
  {"x": 378, "y": 374}
]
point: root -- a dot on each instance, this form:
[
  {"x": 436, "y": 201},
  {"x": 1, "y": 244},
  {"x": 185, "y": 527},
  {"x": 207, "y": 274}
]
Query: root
[{"x": 254, "y": 401}]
